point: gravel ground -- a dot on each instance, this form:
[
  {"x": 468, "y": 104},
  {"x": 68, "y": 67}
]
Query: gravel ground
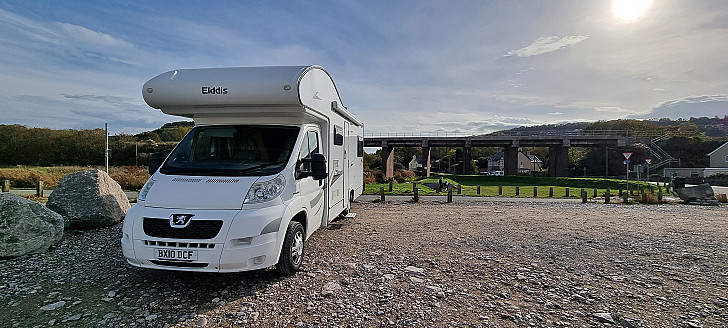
[{"x": 470, "y": 263}]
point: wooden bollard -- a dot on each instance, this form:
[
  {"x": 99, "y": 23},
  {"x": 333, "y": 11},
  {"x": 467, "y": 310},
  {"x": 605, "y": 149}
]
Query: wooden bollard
[
  {"x": 390, "y": 185},
  {"x": 518, "y": 190},
  {"x": 415, "y": 192},
  {"x": 381, "y": 193},
  {"x": 460, "y": 189},
  {"x": 39, "y": 189},
  {"x": 449, "y": 194},
  {"x": 500, "y": 190},
  {"x": 644, "y": 196},
  {"x": 595, "y": 192},
  {"x": 535, "y": 192},
  {"x": 478, "y": 192},
  {"x": 659, "y": 196},
  {"x": 606, "y": 197},
  {"x": 625, "y": 197},
  {"x": 6, "y": 185},
  {"x": 567, "y": 191},
  {"x": 439, "y": 185},
  {"x": 551, "y": 191},
  {"x": 583, "y": 195}
]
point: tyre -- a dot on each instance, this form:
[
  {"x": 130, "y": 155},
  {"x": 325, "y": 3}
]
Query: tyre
[{"x": 292, "y": 251}]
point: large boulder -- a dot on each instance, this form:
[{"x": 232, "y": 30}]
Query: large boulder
[
  {"x": 26, "y": 226},
  {"x": 89, "y": 199},
  {"x": 698, "y": 195}
]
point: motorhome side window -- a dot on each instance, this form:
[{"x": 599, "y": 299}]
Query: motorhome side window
[
  {"x": 360, "y": 147},
  {"x": 338, "y": 135},
  {"x": 309, "y": 146},
  {"x": 232, "y": 150}
]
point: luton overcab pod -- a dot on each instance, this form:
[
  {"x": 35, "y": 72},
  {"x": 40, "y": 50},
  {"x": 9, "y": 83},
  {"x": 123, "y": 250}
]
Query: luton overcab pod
[{"x": 274, "y": 155}]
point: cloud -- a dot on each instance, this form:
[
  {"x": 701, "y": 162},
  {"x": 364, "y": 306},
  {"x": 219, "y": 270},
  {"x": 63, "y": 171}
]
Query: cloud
[
  {"x": 693, "y": 106},
  {"x": 546, "y": 45},
  {"x": 90, "y": 37},
  {"x": 612, "y": 109},
  {"x": 556, "y": 113}
]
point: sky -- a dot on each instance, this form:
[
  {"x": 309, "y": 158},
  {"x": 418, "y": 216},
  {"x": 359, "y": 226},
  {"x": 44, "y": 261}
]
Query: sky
[{"x": 419, "y": 66}]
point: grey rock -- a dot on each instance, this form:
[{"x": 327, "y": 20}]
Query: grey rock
[
  {"x": 330, "y": 288},
  {"x": 413, "y": 269},
  {"x": 53, "y": 306},
  {"x": 603, "y": 317},
  {"x": 26, "y": 226},
  {"x": 89, "y": 199},
  {"x": 698, "y": 195}
]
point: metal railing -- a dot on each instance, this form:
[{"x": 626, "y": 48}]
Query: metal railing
[{"x": 661, "y": 135}]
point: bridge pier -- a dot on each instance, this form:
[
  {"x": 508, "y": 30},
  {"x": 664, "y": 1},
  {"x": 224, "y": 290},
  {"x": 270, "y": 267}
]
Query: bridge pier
[
  {"x": 467, "y": 160},
  {"x": 559, "y": 161},
  {"x": 510, "y": 160},
  {"x": 426, "y": 160},
  {"x": 388, "y": 161}
]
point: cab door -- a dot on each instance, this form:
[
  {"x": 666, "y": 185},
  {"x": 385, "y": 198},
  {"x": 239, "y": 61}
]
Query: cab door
[{"x": 311, "y": 191}]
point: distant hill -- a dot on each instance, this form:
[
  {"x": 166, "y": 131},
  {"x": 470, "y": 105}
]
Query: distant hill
[{"x": 700, "y": 126}]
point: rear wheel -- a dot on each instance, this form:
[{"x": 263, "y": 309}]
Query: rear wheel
[{"x": 292, "y": 250}]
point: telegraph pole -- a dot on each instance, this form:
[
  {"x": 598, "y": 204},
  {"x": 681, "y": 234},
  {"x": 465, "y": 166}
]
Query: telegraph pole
[{"x": 106, "y": 150}]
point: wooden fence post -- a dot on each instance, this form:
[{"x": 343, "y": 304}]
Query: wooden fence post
[
  {"x": 6, "y": 185},
  {"x": 551, "y": 191},
  {"x": 39, "y": 189},
  {"x": 583, "y": 195},
  {"x": 390, "y": 185},
  {"x": 460, "y": 189},
  {"x": 567, "y": 191},
  {"x": 606, "y": 197},
  {"x": 518, "y": 190},
  {"x": 449, "y": 193},
  {"x": 478, "y": 189},
  {"x": 500, "y": 190},
  {"x": 595, "y": 192},
  {"x": 416, "y": 192},
  {"x": 381, "y": 193},
  {"x": 535, "y": 192}
]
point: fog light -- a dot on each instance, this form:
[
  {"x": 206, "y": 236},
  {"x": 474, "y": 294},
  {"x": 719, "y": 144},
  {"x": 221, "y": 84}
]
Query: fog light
[
  {"x": 259, "y": 259},
  {"x": 243, "y": 241}
]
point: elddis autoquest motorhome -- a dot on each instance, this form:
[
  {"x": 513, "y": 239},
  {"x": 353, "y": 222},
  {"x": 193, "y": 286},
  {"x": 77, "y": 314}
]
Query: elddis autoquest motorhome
[{"x": 274, "y": 156}]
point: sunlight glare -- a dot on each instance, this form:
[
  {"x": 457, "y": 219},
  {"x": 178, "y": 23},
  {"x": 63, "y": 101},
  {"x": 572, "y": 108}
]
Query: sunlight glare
[{"x": 629, "y": 10}]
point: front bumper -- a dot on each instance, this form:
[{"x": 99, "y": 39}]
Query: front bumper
[{"x": 248, "y": 239}]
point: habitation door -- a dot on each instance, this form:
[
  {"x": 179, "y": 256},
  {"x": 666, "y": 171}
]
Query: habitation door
[{"x": 347, "y": 164}]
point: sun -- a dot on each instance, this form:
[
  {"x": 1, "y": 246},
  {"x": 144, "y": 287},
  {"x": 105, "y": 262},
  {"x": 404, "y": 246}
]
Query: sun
[{"x": 629, "y": 10}]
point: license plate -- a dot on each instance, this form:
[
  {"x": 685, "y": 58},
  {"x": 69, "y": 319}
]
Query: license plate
[{"x": 175, "y": 254}]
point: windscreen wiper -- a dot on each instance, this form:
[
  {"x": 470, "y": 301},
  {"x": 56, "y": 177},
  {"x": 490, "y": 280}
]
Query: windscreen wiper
[{"x": 258, "y": 167}]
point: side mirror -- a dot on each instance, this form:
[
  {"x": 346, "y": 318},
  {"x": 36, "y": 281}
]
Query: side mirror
[
  {"x": 155, "y": 161},
  {"x": 313, "y": 167}
]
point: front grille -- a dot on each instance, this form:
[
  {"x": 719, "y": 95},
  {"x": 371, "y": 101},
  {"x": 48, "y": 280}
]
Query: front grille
[
  {"x": 196, "y": 229},
  {"x": 176, "y": 244},
  {"x": 180, "y": 264}
]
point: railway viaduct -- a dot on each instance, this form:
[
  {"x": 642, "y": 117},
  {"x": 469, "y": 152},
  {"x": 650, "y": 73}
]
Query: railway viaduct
[{"x": 558, "y": 145}]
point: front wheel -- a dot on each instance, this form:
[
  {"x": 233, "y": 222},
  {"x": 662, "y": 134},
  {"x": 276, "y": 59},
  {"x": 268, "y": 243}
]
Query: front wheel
[{"x": 292, "y": 250}]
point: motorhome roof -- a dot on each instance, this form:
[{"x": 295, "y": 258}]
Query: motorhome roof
[{"x": 185, "y": 92}]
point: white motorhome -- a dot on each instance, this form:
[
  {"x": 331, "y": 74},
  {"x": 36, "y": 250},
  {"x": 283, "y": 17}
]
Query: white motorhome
[{"x": 274, "y": 155}]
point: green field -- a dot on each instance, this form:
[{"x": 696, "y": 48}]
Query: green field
[{"x": 507, "y": 186}]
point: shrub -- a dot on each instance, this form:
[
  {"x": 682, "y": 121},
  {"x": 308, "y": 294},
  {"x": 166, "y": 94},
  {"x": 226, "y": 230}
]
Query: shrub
[
  {"x": 369, "y": 177},
  {"x": 129, "y": 177}
]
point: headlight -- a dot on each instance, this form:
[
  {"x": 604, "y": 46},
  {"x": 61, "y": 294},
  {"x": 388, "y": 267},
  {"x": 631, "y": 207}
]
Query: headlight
[
  {"x": 261, "y": 192},
  {"x": 143, "y": 193}
]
